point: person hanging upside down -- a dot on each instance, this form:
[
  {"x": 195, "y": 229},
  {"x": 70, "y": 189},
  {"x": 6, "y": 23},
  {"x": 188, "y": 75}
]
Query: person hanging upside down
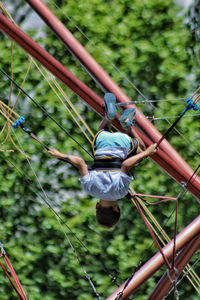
[{"x": 115, "y": 153}]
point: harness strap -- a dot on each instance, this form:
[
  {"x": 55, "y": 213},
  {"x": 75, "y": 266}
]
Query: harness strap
[
  {"x": 134, "y": 147},
  {"x": 107, "y": 164}
]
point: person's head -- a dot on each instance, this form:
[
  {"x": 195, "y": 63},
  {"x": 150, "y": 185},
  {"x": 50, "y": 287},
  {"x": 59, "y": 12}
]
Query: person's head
[{"x": 107, "y": 213}]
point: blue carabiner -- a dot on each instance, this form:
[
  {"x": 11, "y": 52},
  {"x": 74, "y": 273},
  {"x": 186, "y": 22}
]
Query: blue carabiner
[
  {"x": 18, "y": 122},
  {"x": 190, "y": 105}
]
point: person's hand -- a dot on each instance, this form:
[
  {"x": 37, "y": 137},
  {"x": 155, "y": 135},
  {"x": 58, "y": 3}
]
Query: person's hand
[
  {"x": 151, "y": 149},
  {"x": 56, "y": 153}
]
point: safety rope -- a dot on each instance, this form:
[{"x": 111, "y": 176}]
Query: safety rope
[
  {"x": 45, "y": 198},
  {"x": 172, "y": 266},
  {"x": 10, "y": 115},
  {"x": 153, "y": 118},
  {"x": 136, "y": 196},
  {"x": 53, "y": 89},
  {"x": 151, "y": 232},
  {"x": 67, "y": 100},
  {"x": 7, "y": 114},
  {"x": 191, "y": 104},
  {"x": 44, "y": 111},
  {"x": 16, "y": 283},
  {"x": 21, "y": 90},
  {"x": 195, "y": 278}
]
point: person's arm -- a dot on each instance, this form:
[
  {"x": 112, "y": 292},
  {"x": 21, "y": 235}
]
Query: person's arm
[
  {"x": 76, "y": 161},
  {"x": 130, "y": 162}
]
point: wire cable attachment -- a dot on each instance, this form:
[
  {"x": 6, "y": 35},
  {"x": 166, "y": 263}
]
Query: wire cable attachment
[{"x": 191, "y": 104}]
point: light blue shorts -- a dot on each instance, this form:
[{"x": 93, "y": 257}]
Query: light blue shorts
[{"x": 107, "y": 139}]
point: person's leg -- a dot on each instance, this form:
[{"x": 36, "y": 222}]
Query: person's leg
[
  {"x": 110, "y": 111},
  {"x": 127, "y": 122},
  {"x": 105, "y": 124},
  {"x": 132, "y": 133},
  {"x": 110, "y": 107}
]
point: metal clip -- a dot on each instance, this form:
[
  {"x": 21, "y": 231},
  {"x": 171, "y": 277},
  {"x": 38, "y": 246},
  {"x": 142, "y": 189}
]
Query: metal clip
[{"x": 18, "y": 122}]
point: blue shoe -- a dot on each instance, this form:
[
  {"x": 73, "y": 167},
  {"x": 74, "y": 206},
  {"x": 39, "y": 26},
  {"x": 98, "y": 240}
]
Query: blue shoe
[
  {"x": 127, "y": 118},
  {"x": 110, "y": 101}
]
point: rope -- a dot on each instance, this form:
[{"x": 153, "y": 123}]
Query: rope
[
  {"x": 15, "y": 277},
  {"x": 45, "y": 112},
  {"x": 21, "y": 90},
  {"x": 69, "y": 102},
  {"x": 60, "y": 221},
  {"x": 172, "y": 267},
  {"x": 59, "y": 88},
  {"x": 24, "y": 81},
  {"x": 7, "y": 112},
  {"x": 192, "y": 273},
  {"x": 149, "y": 101},
  {"x": 191, "y": 105},
  {"x": 171, "y": 117},
  {"x": 175, "y": 223},
  {"x": 151, "y": 232},
  {"x": 70, "y": 112},
  {"x": 11, "y": 281},
  {"x": 18, "y": 288}
]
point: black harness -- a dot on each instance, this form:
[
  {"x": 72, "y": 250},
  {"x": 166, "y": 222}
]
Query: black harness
[{"x": 107, "y": 164}]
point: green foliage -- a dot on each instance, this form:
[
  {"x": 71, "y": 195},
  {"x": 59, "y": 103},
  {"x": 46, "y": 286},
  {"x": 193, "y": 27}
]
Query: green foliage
[{"x": 139, "y": 43}]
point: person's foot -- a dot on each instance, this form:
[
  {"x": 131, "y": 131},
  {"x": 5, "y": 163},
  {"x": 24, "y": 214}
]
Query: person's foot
[
  {"x": 110, "y": 108},
  {"x": 127, "y": 118}
]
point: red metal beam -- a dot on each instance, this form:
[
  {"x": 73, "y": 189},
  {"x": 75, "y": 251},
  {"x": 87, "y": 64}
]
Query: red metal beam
[
  {"x": 150, "y": 267},
  {"x": 51, "y": 64},
  {"x": 103, "y": 78},
  {"x": 92, "y": 99},
  {"x": 164, "y": 285}
]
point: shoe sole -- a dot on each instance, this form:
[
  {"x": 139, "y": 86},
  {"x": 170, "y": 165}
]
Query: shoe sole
[
  {"x": 110, "y": 101},
  {"x": 126, "y": 119},
  {"x": 128, "y": 112}
]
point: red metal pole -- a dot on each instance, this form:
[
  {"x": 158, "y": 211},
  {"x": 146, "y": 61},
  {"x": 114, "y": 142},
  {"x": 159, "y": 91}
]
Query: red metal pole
[
  {"x": 164, "y": 285},
  {"x": 92, "y": 99},
  {"x": 150, "y": 267},
  {"x": 51, "y": 64},
  {"x": 103, "y": 78}
]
